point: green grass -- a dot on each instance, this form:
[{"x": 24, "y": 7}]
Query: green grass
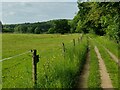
[
  {"x": 94, "y": 74},
  {"x": 109, "y": 44},
  {"x": 17, "y": 43},
  {"x": 54, "y": 71},
  {"x": 76, "y": 56},
  {"x": 0, "y": 75},
  {"x": 65, "y": 70},
  {"x": 119, "y": 67},
  {"x": 111, "y": 66}
]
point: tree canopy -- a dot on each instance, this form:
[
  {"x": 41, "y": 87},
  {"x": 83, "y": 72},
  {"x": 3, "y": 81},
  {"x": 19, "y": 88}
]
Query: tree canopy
[
  {"x": 60, "y": 26},
  {"x": 101, "y": 18}
]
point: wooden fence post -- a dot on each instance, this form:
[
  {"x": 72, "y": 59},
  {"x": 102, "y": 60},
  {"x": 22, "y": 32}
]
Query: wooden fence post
[
  {"x": 35, "y": 60},
  {"x": 87, "y": 40},
  {"x": 78, "y": 40},
  {"x": 74, "y": 42},
  {"x": 63, "y": 49},
  {"x": 81, "y": 37}
]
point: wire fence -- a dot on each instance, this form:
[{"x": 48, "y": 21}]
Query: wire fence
[
  {"x": 33, "y": 58},
  {"x": 14, "y": 56},
  {"x": 60, "y": 48}
]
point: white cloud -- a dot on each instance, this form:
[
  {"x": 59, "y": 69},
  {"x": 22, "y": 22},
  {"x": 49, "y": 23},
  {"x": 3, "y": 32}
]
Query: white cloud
[
  {"x": 39, "y": 0},
  {"x": 25, "y": 4},
  {"x": 32, "y": 12},
  {"x": 11, "y": 13},
  {"x": 0, "y": 11}
]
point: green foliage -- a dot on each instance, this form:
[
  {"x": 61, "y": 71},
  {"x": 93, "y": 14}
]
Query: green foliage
[
  {"x": 31, "y": 29},
  {"x": 20, "y": 29},
  {"x": 61, "y": 26},
  {"x": 73, "y": 23},
  {"x": 52, "y": 26},
  {"x": 8, "y": 29},
  {"x": 51, "y": 30},
  {"x": 101, "y": 18},
  {"x": 37, "y": 30},
  {"x": 79, "y": 27}
]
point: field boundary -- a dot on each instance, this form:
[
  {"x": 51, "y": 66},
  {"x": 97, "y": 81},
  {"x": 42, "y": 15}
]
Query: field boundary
[{"x": 35, "y": 58}]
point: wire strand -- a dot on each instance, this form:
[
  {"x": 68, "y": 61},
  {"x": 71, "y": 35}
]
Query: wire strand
[{"x": 14, "y": 56}]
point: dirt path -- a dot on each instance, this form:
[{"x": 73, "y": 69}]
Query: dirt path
[
  {"x": 105, "y": 79},
  {"x": 112, "y": 55},
  {"x": 83, "y": 78}
]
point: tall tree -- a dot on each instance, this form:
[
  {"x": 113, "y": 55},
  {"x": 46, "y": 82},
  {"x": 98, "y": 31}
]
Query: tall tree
[
  {"x": 21, "y": 29},
  {"x": 62, "y": 26},
  {"x": 101, "y": 18}
]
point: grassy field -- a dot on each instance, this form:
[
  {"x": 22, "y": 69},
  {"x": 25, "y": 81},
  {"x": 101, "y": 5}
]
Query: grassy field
[
  {"x": 94, "y": 74},
  {"x": 56, "y": 69},
  {"x": 110, "y": 64},
  {"x": 53, "y": 69}
]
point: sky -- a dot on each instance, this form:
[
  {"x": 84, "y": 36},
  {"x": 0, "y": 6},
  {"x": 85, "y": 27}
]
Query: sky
[
  {"x": 22, "y": 11},
  {"x": 0, "y": 11},
  {"x": 39, "y": 0}
]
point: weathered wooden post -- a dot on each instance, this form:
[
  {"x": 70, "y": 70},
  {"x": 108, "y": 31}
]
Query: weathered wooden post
[
  {"x": 63, "y": 49},
  {"x": 35, "y": 60},
  {"x": 74, "y": 42},
  {"x": 78, "y": 40},
  {"x": 87, "y": 40},
  {"x": 0, "y": 27},
  {"x": 81, "y": 37}
]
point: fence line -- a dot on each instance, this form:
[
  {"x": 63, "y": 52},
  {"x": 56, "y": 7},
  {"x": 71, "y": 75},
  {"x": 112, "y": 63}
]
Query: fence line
[
  {"x": 28, "y": 52},
  {"x": 35, "y": 60},
  {"x": 14, "y": 56}
]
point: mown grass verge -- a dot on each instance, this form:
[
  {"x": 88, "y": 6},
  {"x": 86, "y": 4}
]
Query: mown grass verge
[
  {"x": 94, "y": 74},
  {"x": 110, "y": 64},
  {"x": 109, "y": 44}
]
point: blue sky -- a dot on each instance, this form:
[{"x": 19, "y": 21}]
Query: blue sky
[{"x": 21, "y": 12}]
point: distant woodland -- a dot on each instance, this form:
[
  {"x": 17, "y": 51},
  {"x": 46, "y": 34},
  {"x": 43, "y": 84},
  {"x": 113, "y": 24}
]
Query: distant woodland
[{"x": 52, "y": 26}]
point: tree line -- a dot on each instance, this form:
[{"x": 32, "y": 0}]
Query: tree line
[{"x": 52, "y": 26}]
